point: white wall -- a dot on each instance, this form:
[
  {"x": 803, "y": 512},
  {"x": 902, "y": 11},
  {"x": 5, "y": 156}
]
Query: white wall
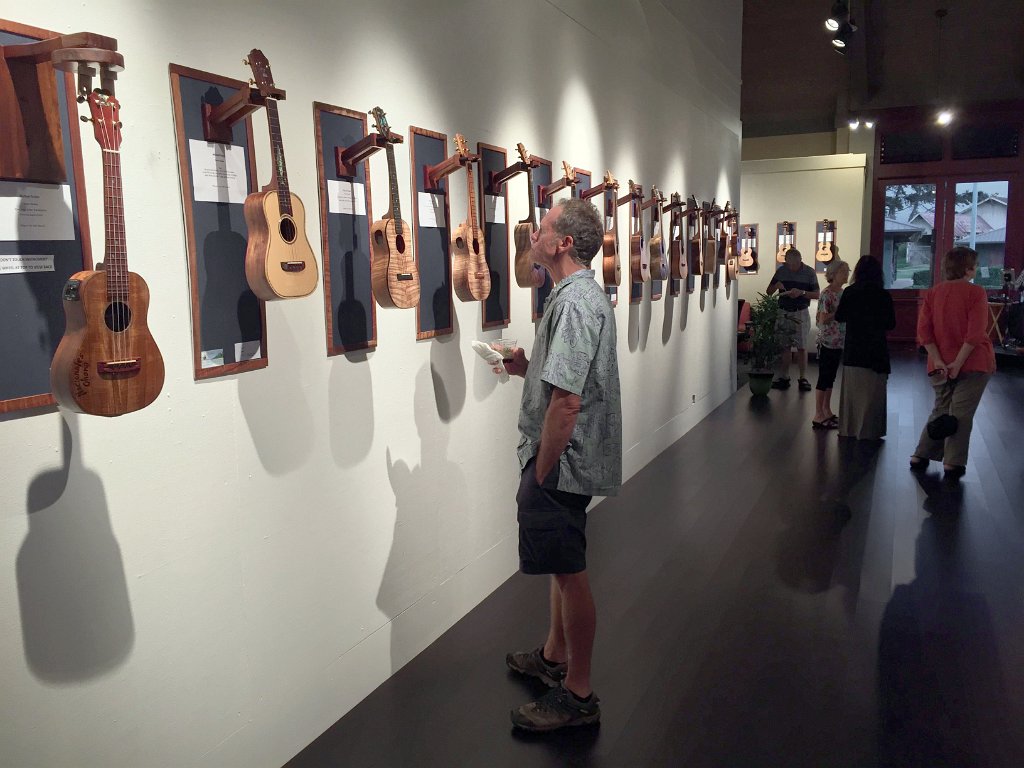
[
  {"x": 805, "y": 191},
  {"x": 216, "y": 579}
]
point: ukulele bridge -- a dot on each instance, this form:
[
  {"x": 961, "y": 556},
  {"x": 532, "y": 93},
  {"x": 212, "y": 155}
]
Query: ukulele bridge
[
  {"x": 293, "y": 266},
  {"x": 404, "y": 275},
  {"x": 118, "y": 367}
]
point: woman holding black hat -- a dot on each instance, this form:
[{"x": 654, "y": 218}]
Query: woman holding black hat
[{"x": 953, "y": 327}]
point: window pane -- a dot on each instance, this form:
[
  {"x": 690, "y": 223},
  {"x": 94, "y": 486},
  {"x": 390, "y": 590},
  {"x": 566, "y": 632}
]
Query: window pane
[
  {"x": 981, "y": 224},
  {"x": 910, "y": 147},
  {"x": 972, "y": 142},
  {"x": 908, "y": 251}
]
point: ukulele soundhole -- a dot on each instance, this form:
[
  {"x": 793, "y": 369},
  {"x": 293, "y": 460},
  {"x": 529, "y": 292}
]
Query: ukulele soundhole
[
  {"x": 400, "y": 243},
  {"x": 118, "y": 316},
  {"x": 460, "y": 243},
  {"x": 287, "y": 229},
  {"x": 476, "y": 247}
]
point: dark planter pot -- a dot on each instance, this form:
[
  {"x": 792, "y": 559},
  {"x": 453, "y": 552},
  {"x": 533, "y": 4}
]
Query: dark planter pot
[{"x": 760, "y": 382}]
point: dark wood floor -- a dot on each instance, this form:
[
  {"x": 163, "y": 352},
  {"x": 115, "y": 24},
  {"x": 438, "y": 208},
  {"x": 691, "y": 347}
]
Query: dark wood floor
[{"x": 767, "y": 596}]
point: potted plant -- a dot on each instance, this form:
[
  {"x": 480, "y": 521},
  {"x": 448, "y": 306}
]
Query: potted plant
[{"x": 764, "y": 342}]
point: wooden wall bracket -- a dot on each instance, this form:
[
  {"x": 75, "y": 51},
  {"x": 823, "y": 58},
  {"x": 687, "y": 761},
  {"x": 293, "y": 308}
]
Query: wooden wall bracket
[
  {"x": 42, "y": 51},
  {"x": 347, "y": 159},
  {"x": 498, "y": 178},
  {"x": 219, "y": 120},
  {"x": 547, "y": 192},
  {"x": 432, "y": 174},
  {"x": 594, "y": 191}
]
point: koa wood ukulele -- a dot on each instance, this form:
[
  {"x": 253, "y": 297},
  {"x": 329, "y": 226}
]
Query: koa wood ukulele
[
  {"x": 470, "y": 273},
  {"x": 611, "y": 268},
  {"x": 656, "y": 246},
  {"x": 785, "y": 242},
  {"x": 394, "y": 276},
  {"x": 677, "y": 245},
  {"x": 279, "y": 261},
  {"x": 639, "y": 264},
  {"x": 107, "y": 363},
  {"x": 528, "y": 275}
]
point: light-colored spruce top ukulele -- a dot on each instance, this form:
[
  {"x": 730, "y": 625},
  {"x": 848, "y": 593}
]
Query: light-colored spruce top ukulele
[
  {"x": 279, "y": 261},
  {"x": 107, "y": 363},
  {"x": 785, "y": 242},
  {"x": 528, "y": 274},
  {"x": 611, "y": 268},
  {"x": 470, "y": 272},
  {"x": 639, "y": 264},
  {"x": 748, "y": 255},
  {"x": 824, "y": 252},
  {"x": 394, "y": 276}
]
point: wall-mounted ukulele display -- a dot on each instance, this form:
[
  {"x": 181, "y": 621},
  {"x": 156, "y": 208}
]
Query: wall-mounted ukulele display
[
  {"x": 494, "y": 176},
  {"x": 107, "y": 364},
  {"x": 657, "y": 263},
  {"x": 430, "y": 165},
  {"x": 748, "y": 250},
  {"x": 279, "y": 261},
  {"x": 694, "y": 214},
  {"x": 541, "y": 180},
  {"x": 709, "y": 214},
  {"x": 729, "y": 232},
  {"x": 217, "y": 168},
  {"x": 785, "y": 237},
  {"x": 470, "y": 274},
  {"x": 677, "y": 261},
  {"x": 395, "y": 275},
  {"x": 568, "y": 181},
  {"x": 825, "y": 237},
  {"x": 528, "y": 274},
  {"x": 343, "y": 148},
  {"x": 639, "y": 256},
  {"x": 44, "y": 232},
  {"x": 611, "y": 270}
]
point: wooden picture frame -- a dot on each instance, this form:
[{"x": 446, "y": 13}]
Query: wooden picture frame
[
  {"x": 224, "y": 309},
  {"x": 541, "y": 179},
  {"x": 31, "y": 305},
  {"x": 350, "y": 311},
  {"x": 496, "y": 310},
  {"x": 435, "y": 312},
  {"x": 750, "y": 232}
]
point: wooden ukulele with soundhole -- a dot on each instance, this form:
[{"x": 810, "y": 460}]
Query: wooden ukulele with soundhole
[
  {"x": 107, "y": 363},
  {"x": 639, "y": 265},
  {"x": 824, "y": 252},
  {"x": 279, "y": 261},
  {"x": 470, "y": 272},
  {"x": 785, "y": 242},
  {"x": 394, "y": 276}
]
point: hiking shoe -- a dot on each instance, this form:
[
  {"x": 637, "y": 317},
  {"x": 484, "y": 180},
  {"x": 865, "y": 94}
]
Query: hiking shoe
[
  {"x": 556, "y": 709},
  {"x": 532, "y": 664},
  {"x": 780, "y": 383}
]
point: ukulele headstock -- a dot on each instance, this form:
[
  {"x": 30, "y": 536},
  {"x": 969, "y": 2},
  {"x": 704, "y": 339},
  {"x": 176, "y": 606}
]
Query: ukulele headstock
[
  {"x": 106, "y": 125},
  {"x": 262, "y": 76},
  {"x": 569, "y": 173},
  {"x": 461, "y": 147},
  {"x": 523, "y": 154},
  {"x": 609, "y": 181},
  {"x": 380, "y": 123}
]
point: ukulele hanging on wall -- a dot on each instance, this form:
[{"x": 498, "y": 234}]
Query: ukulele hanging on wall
[
  {"x": 748, "y": 254},
  {"x": 394, "y": 276},
  {"x": 279, "y": 261},
  {"x": 639, "y": 264},
  {"x": 470, "y": 272},
  {"x": 825, "y": 253},
  {"x": 528, "y": 274},
  {"x": 107, "y": 363},
  {"x": 785, "y": 241},
  {"x": 611, "y": 269}
]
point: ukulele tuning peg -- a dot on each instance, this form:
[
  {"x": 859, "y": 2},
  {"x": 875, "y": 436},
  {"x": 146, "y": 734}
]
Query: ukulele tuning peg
[
  {"x": 119, "y": 124},
  {"x": 245, "y": 62},
  {"x": 85, "y": 119}
]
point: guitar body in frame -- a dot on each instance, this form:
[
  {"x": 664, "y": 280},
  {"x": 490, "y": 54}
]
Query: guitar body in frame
[{"x": 824, "y": 253}]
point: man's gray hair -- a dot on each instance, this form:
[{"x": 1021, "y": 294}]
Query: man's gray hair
[
  {"x": 582, "y": 221},
  {"x": 833, "y": 268}
]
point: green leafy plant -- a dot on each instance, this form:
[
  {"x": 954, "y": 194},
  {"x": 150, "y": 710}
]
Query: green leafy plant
[{"x": 764, "y": 340}]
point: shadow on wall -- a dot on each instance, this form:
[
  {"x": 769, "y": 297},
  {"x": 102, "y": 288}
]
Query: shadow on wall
[
  {"x": 351, "y": 408},
  {"x": 431, "y": 523},
  {"x": 942, "y": 698},
  {"x": 76, "y": 619}
]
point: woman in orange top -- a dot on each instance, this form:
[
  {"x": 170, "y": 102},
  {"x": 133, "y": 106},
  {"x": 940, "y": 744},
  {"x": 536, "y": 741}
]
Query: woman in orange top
[{"x": 953, "y": 327}]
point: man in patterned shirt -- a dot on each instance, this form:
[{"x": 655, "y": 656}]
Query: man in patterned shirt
[{"x": 570, "y": 449}]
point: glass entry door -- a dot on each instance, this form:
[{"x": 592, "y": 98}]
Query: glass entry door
[{"x": 979, "y": 222}]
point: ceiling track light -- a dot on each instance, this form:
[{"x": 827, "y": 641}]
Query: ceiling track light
[
  {"x": 840, "y": 13},
  {"x": 854, "y": 124},
  {"x": 843, "y": 35}
]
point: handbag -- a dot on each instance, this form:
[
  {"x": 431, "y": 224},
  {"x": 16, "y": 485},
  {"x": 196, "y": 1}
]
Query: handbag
[{"x": 944, "y": 425}]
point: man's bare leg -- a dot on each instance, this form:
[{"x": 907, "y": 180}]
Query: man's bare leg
[
  {"x": 786, "y": 359},
  {"x": 801, "y": 361},
  {"x": 579, "y": 623},
  {"x": 554, "y": 647}
]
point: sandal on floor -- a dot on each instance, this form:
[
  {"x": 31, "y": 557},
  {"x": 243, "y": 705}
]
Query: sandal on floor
[
  {"x": 953, "y": 472},
  {"x": 818, "y": 424},
  {"x": 780, "y": 383},
  {"x": 804, "y": 385},
  {"x": 918, "y": 463},
  {"x": 832, "y": 422}
]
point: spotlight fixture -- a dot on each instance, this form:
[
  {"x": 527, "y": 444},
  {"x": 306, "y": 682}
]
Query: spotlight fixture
[
  {"x": 854, "y": 124},
  {"x": 840, "y": 13},
  {"x": 945, "y": 117},
  {"x": 869, "y": 124},
  {"x": 843, "y": 35}
]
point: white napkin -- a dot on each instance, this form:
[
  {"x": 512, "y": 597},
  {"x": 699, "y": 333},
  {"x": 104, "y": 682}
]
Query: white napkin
[{"x": 492, "y": 357}]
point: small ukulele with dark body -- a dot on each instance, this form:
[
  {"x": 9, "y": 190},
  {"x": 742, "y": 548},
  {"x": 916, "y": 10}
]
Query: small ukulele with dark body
[
  {"x": 107, "y": 363},
  {"x": 824, "y": 252},
  {"x": 784, "y": 244},
  {"x": 394, "y": 276},
  {"x": 639, "y": 266},
  {"x": 677, "y": 242},
  {"x": 610, "y": 265},
  {"x": 279, "y": 261},
  {"x": 658, "y": 265},
  {"x": 470, "y": 272},
  {"x": 748, "y": 254},
  {"x": 528, "y": 274}
]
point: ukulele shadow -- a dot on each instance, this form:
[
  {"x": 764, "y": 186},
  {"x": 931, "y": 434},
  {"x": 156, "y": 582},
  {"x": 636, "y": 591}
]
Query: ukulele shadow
[
  {"x": 76, "y": 617},
  {"x": 354, "y": 312},
  {"x": 433, "y": 529},
  {"x": 669, "y": 315},
  {"x": 447, "y": 368},
  {"x": 350, "y": 398},
  {"x": 276, "y": 408}
]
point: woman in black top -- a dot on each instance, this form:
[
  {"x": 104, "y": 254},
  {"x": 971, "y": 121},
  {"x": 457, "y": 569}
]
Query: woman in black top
[{"x": 866, "y": 308}]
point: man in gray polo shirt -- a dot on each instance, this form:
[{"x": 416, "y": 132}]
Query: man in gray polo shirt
[{"x": 570, "y": 449}]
